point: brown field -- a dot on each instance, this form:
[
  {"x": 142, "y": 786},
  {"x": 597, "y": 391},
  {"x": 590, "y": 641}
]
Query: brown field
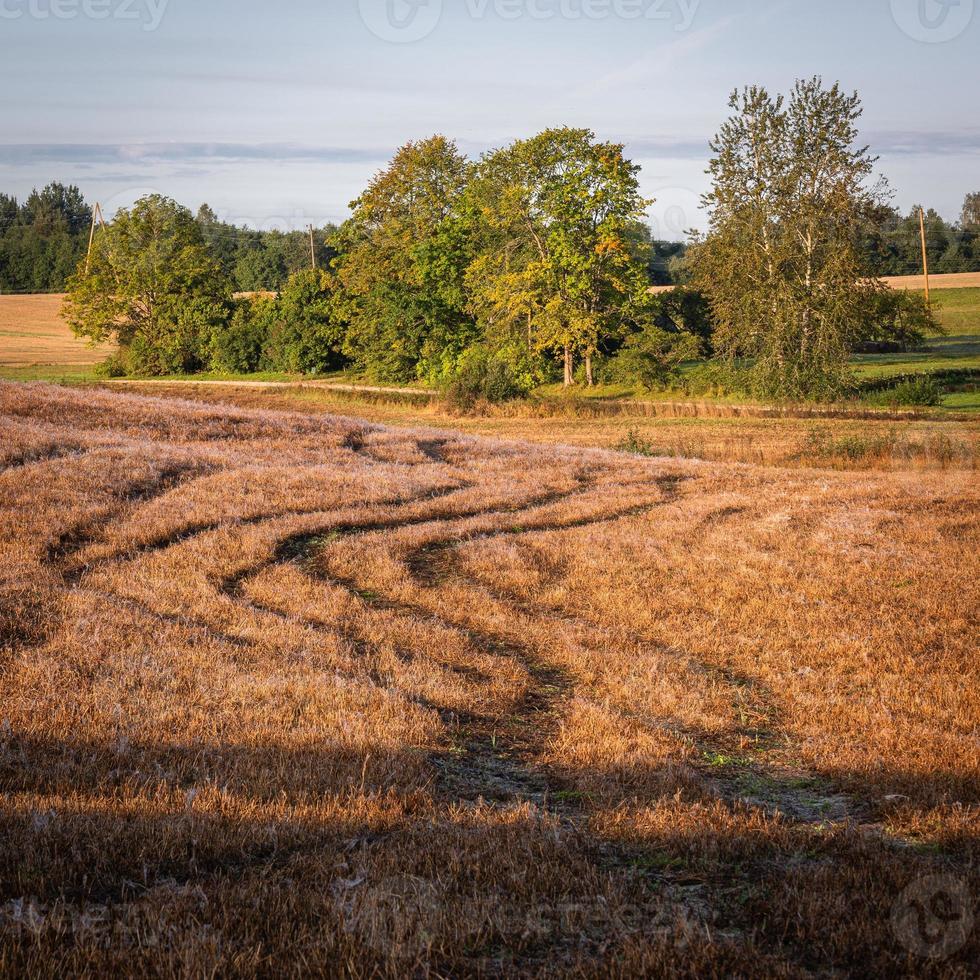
[
  {"x": 794, "y": 437},
  {"x": 32, "y": 332},
  {"x": 291, "y": 694},
  {"x": 950, "y": 280}
]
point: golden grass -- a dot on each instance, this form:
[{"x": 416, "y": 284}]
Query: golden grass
[
  {"x": 33, "y": 332},
  {"x": 949, "y": 280},
  {"x": 719, "y": 433},
  {"x": 293, "y": 694}
]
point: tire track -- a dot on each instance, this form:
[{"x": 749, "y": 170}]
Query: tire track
[
  {"x": 795, "y": 793},
  {"x": 70, "y": 542},
  {"x": 494, "y": 757}
]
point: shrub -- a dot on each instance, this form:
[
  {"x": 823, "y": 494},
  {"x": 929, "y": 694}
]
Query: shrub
[
  {"x": 652, "y": 357},
  {"x": 924, "y": 391},
  {"x": 114, "y": 366},
  {"x": 485, "y": 375},
  {"x": 636, "y": 445},
  {"x": 897, "y": 320},
  {"x": 716, "y": 379},
  {"x": 237, "y": 346}
]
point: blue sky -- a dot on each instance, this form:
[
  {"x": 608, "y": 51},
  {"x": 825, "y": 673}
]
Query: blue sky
[{"x": 278, "y": 113}]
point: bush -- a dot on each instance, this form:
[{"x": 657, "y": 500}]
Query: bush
[
  {"x": 652, "y": 357},
  {"x": 114, "y": 366},
  {"x": 924, "y": 391},
  {"x": 716, "y": 379},
  {"x": 237, "y": 346},
  {"x": 897, "y": 320},
  {"x": 485, "y": 375}
]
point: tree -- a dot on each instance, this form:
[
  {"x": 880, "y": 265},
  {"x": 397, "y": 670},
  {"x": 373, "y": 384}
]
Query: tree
[
  {"x": 259, "y": 268},
  {"x": 309, "y": 329},
  {"x": 781, "y": 264},
  {"x": 401, "y": 264},
  {"x": 970, "y": 217},
  {"x": 559, "y": 257},
  {"x": 152, "y": 287},
  {"x": 57, "y": 208}
]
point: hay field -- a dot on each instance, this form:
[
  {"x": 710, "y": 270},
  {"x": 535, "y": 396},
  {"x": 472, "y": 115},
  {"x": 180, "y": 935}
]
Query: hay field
[
  {"x": 717, "y": 432},
  {"x": 33, "y": 332},
  {"x": 949, "y": 280},
  {"x": 290, "y": 694}
]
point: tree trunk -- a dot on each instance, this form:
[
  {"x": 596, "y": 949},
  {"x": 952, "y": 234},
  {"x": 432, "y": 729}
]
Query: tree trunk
[
  {"x": 569, "y": 373},
  {"x": 588, "y": 369}
]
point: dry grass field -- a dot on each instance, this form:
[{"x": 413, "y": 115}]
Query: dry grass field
[
  {"x": 949, "y": 280},
  {"x": 32, "y": 332},
  {"x": 292, "y": 694},
  {"x": 799, "y": 436}
]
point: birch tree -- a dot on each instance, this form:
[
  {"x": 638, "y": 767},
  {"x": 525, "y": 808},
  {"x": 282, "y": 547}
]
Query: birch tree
[{"x": 781, "y": 264}]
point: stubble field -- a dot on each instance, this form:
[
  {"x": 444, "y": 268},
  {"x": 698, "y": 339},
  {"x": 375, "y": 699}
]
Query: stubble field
[{"x": 295, "y": 694}]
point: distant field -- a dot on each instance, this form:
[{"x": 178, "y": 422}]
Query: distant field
[
  {"x": 955, "y": 280},
  {"x": 32, "y": 332}
]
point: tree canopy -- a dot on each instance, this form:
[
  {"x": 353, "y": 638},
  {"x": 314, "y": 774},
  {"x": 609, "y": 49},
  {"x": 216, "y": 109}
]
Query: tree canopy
[
  {"x": 152, "y": 286},
  {"x": 792, "y": 191}
]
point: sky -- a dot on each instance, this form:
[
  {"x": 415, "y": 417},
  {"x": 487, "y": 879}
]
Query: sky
[{"x": 278, "y": 113}]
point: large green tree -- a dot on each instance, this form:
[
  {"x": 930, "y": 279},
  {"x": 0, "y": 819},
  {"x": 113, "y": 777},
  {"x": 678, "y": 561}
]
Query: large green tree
[
  {"x": 151, "y": 286},
  {"x": 401, "y": 266},
  {"x": 558, "y": 259},
  {"x": 970, "y": 216},
  {"x": 792, "y": 192}
]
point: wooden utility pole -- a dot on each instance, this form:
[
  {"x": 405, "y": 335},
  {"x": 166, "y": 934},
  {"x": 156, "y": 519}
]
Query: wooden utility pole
[
  {"x": 96, "y": 216},
  {"x": 312, "y": 248},
  {"x": 925, "y": 254}
]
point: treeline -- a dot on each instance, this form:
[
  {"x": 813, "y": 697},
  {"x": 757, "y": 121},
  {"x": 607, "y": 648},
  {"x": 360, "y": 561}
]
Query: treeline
[
  {"x": 533, "y": 264},
  {"x": 488, "y": 275},
  {"x": 43, "y": 240},
  {"x": 894, "y": 245}
]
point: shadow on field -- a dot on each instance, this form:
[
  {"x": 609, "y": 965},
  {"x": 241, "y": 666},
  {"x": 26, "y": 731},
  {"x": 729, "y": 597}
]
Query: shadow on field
[{"x": 352, "y": 857}]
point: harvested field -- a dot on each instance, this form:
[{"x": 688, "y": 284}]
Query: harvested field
[
  {"x": 949, "y": 280},
  {"x": 33, "y": 332},
  {"x": 294, "y": 694},
  {"x": 870, "y": 439}
]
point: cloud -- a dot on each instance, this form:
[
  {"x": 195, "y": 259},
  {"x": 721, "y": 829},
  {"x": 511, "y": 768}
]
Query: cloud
[
  {"x": 150, "y": 153},
  {"x": 924, "y": 143}
]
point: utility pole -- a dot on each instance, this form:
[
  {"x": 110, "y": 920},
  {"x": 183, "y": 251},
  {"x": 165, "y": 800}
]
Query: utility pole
[
  {"x": 312, "y": 248},
  {"x": 96, "y": 216},
  {"x": 925, "y": 254}
]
